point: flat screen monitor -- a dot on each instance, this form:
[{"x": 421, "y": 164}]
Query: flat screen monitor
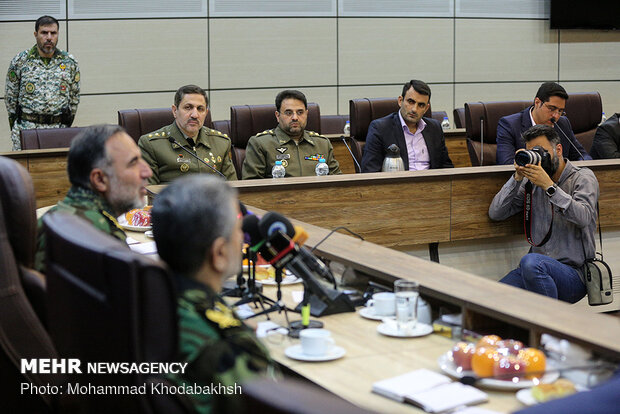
[{"x": 579, "y": 14}]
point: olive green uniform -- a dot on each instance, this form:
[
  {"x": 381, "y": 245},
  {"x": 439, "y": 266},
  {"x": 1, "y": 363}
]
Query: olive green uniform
[
  {"x": 218, "y": 348},
  {"x": 41, "y": 92},
  {"x": 299, "y": 159},
  {"x": 86, "y": 204},
  {"x": 168, "y": 161}
]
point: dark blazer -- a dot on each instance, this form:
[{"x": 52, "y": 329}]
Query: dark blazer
[
  {"x": 510, "y": 128},
  {"x": 388, "y": 130},
  {"x": 606, "y": 142}
]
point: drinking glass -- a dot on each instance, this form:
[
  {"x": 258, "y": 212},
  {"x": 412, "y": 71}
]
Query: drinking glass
[{"x": 406, "y": 304}]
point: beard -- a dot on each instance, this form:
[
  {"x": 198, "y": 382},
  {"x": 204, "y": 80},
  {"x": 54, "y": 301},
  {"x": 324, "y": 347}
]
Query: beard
[
  {"x": 124, "y": 197},
  {"x": 552, "y": 167}
]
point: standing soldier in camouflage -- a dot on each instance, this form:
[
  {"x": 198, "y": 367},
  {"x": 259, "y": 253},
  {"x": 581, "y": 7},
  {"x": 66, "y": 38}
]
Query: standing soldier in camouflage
[
  {"x": 197, "y": 229},
  {"x": 108, "y": 178},
  {"x": 42, "y": 84},
  {"x": 168, "y": 161},
  {"x": 298, "y": 149}
]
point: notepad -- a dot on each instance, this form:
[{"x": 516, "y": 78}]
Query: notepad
[{"x": 431, "y": 391}]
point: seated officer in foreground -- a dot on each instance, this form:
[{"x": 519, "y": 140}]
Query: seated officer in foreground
[
  {"x": 197, "y": 228},
  {"x": 298, "y": 149},
  {"x": 167, "y": 160},
  {"x": 108, "y": 178}
]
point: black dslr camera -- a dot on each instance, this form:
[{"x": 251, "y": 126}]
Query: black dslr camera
[{"x": 534, "y": 156}]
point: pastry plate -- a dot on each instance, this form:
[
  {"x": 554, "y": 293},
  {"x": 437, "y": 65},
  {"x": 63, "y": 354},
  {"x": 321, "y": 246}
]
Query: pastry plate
[
  {"x": 295, "y": 352},
  {"x": 122, "y": 220},
  {"x": 446, "y": 364},
  {"x": 525, "y": 395}
]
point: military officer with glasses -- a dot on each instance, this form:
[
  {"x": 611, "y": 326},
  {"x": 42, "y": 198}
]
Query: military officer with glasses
[
  {"x": 548, "y": 109},
  {"x": 289, "y": 142}
]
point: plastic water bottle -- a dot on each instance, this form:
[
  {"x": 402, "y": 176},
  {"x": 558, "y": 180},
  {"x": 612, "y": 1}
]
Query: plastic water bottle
[
  {"x": 347, "y": 128},
  {"x": 321, "y": 168},
  {"x": 278, "y": 170},
  {"x": 445, "y": 124},
  {"x": 603, "y": 118}
]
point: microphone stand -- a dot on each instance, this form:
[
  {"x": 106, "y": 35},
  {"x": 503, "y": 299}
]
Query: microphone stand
[
  {"x": 481, "y": 141},
  {"x": 567, "y": 138},
  {"x": 344, "y": 141},
  {"x": 174, "y": 141}
]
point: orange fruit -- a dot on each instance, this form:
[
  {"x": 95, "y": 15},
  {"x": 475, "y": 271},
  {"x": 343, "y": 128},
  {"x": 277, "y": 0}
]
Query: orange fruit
[
  {"x": 534, "y": 360},
  {"x": 489, "y": 340},
  {"x": 483, "y": 360}
]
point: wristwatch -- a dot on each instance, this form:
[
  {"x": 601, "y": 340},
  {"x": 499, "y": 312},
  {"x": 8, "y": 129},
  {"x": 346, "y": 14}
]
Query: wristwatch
[{"x": 551, "y": 190}]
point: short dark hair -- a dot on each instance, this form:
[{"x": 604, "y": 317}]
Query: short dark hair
[
  {"x": 188, "y": 216},
  {"x": 189, "y": 90},
  {"x": 88, "y": 151},
  {"x": 542, "y": 129},
  {"x": 549, "y": 89},
  {"x": 44, "y": 21},
  {"x": 290, "y": 94},
  {"x": 418, "y": 86}
]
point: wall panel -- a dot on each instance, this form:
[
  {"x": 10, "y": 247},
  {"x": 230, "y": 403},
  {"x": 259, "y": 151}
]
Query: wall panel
[{"x": 589, "y": 55}]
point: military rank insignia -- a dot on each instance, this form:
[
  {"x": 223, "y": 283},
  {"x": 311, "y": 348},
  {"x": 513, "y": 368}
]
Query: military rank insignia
[
  {"x": 12, "y": 76},
  {"x": 184, "y": 167},
  {"x": 285, "y": 163},
  {"x": 62, "y": 66},
  {"x": 281, "y": 150},
  {"x": 315, "y": 157},
  {"x": 30, "y": 87},
  {"x": 77, "y": 77}
]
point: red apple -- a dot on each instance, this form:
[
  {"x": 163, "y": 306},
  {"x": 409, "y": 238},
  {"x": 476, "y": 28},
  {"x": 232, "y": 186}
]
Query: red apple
[
  {"x": 508, "y": 365},
  {"x": 462, "y": 353},
  {"x": 509, "y": 347}
]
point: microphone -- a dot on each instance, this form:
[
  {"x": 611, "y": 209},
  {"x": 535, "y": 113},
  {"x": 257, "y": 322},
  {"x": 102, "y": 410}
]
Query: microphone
[
  {"x": 174, "y": 141},
  {"x": 344, "y": 140},
  {"x": 249, "y": 226},
  {"x": 554, "y": 122}
]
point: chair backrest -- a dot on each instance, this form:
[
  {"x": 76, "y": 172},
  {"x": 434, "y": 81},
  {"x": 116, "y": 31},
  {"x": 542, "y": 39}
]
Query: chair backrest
[
  {"x": 289, "y": 396},
  {"x": 459, "y": 117},
  {"x": 41, "y": 138},
  {"x": 365, "y": 110},
  {"x": 107, "y": 304},
  {"x": 22, "y": 334},
  {"x": 584, "y": 110},
  {"x": 333, "y": 124},
  {"x": 249, "y": 120},
  {"x": 138, "y": 122}
]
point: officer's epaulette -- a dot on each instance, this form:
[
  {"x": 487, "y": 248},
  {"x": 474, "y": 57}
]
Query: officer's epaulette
[
  {"x": 216, "y": 132},
  {"x": 316, "y": 135},
  {"x": 267, "y": 132},
  {"x": 156, "y": 135}
]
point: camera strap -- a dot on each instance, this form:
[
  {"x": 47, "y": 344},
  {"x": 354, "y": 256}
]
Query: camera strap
[{"x": 527, "y": 217}]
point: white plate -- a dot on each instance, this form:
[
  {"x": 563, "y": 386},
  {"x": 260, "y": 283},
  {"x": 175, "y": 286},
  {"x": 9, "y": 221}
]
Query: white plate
[
  {"x": 525, "y": 395},
  {"x": 288, "y": 279},
  {"x": 122, "y": 220},
  {"x": 295, "y": 352},
  {"x": 391, "y": 329},
  {"x": 368, "y": 312},
  {"x": 149, "y": 233},
  {"x": 447, "y": 365}
]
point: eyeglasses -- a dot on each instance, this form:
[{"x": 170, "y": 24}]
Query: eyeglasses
[
  {"x": 555, "y": 109},
  {"x": 289, "y": 113}
]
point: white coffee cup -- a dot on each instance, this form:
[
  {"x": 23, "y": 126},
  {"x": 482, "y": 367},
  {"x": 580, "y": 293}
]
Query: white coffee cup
[
  {"x": 315, "y": 342},
  {"x": 383, "y": 303}
]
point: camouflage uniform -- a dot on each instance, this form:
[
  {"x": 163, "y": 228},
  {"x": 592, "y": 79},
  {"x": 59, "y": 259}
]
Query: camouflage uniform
[
  {"x": 299, "y": 160},
  {"x": 87, "y": 205},
  {"x": 218, "y": 347},
  {"x": 46, "y": 90},
  {"x": 168, "y": 161}
]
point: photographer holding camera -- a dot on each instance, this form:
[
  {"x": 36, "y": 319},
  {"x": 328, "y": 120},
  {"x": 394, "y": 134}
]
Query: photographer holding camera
[{"x": 559, "y": 204}]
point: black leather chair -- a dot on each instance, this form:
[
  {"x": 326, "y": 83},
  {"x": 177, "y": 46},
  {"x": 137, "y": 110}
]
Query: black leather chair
[
  {"x": 459, "y": 117},
  {"x": 584, "y": 110},
  {"x": 109, "y": 304},
  {"x": 22, "y": 294}
]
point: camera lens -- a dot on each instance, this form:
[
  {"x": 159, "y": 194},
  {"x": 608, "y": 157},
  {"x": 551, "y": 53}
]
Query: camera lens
[{"x": 523, "y": 158}]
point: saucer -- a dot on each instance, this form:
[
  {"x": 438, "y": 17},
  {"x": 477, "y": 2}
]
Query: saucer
[
  {"x": 295, "y": 352},
  {"x": 391, "y": 329},
  {"x": 368, "y": 312}
]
